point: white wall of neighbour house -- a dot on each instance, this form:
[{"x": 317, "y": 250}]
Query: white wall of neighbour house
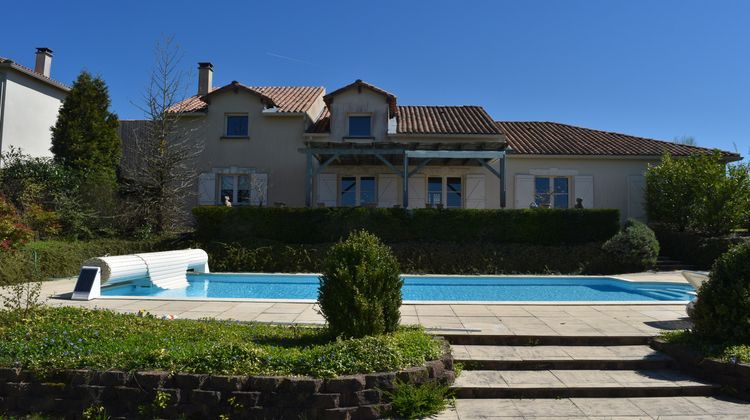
[
  {"x": 272, "y": 148},
  {"x": 30, "y": 109},
  {"x": 616, "y": 181},
  {"x": 359, "y": 102}
]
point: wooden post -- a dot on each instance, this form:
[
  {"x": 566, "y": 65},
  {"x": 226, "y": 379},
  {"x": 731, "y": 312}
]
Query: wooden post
[{"x": 405, "y": 179}]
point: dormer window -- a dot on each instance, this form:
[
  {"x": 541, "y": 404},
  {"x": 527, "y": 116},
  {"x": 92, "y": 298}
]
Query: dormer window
[
  {"x": 236, "y": 125},
  {"x": 360, "y": 126}
]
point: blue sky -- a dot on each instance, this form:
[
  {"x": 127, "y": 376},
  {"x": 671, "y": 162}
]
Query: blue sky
[{"x": 661, "y": 69}]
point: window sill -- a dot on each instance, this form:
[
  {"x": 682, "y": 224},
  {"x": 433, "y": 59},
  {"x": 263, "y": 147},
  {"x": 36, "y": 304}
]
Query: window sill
[
  {"x": 363, "y": 138},
  {"x": 234, "y": 138}
]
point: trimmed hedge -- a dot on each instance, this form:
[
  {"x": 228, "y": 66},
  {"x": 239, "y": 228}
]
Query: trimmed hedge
[
  {"x": 696, "y": 250},
  {"x": 325, "y": 225},
  {"x": 420, "y": 258}
]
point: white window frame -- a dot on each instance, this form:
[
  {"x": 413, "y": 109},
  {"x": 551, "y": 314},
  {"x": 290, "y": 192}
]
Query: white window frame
[
  {"x": 357, "y": 189},
  {"x": 226, "y": 125},
  {"x": 551, "y": 180},
  {"x": 235, "y": 188},
  {"x": 348, "y": 128}
]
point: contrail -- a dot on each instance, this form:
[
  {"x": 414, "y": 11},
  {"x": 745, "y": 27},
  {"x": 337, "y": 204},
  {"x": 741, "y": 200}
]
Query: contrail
[{"x": 283, "y": 57}]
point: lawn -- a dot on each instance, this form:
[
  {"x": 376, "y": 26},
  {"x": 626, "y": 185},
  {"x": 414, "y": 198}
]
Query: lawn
[{"x": 74, "y": 338}]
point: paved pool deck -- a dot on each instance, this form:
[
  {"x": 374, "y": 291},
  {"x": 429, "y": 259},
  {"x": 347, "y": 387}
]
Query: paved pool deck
[{"x": 588, "y": 319}]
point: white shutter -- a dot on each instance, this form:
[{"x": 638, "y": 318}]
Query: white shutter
[
  {"x": 387, "y": 191},
  {"x": 475, "y": 192},
  {"x": 327, "y": 191},
  {"x": 207, "y": 189},
  {"x": 259, "y": 189},
  {"x": 417, "y": 186},
  {"x": 584, "y": 188},
  {"x": 524, "y": 191},
  {"x": 636, "y": 197}
]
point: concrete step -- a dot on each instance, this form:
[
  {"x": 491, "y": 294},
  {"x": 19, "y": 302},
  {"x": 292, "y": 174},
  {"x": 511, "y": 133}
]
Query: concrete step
[
  {"x": 546, "y": 340},
  {"x": 578, "y": 383},
  {"x": 478, "y": 357}
]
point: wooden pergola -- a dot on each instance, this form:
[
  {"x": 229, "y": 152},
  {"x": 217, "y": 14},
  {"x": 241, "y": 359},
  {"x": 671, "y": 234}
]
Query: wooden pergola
[{"x": 397, "y": 157}]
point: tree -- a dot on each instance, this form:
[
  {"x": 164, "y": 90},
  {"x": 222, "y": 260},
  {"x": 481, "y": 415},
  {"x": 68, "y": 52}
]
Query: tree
[
  {"x": 85, "y": 138},
  {"x": 159, "y": 170}
]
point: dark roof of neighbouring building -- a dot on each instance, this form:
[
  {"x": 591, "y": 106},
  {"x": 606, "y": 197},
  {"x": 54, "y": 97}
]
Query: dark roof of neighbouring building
[
  {"x": 8, "y": 63},
  {"x": 551, "y": 138}
]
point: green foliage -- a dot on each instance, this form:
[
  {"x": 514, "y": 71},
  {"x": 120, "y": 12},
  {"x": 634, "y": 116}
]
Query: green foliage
[
  {"x": 360, "y": 289},
  {"x": 13, "y": 233},
  {"x": 635, "y": 248},
  {"x": 75, "y": 338},
  {"x": 420, "y": 257},
  {"x": 411, "y": 401},
  {"x": 722, "y": 312},
  {"x": 155, "y": 410},
  {"x": 326, "y": 225},
  {"x": 698, "y": 193},
  {"x": 694, "y": 249},
  {"x": 725, "y": 351},
  {"x": 84, "y": 137},
  {"x": 95, "y": 412}
]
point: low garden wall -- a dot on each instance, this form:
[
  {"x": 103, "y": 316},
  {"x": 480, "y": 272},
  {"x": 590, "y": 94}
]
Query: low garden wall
[{"x": 163, "y": 395}]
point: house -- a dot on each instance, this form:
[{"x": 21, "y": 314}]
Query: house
[
  {"x": 357, "y": 146},
  {"x": 29, "y": 103}
]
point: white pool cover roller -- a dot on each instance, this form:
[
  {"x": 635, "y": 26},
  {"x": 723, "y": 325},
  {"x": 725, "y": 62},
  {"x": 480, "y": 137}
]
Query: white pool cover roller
[{"x": 164, "y": 269}]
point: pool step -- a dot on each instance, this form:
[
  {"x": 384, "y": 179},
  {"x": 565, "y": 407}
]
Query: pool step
[
  {"x": 481, "y": 357},
  {"x": 546, "y": 340},
  {"x": 578, "y": 383}
]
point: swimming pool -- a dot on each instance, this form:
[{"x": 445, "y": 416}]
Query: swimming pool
[{"x": 420, "y": 288}]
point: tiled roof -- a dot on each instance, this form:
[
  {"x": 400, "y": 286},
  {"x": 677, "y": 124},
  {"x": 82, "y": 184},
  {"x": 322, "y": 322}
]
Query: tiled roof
[
  {"x": 7, "y": 62},
  {"x": 551, "y": 138},
  {"x": 359, "y": 84},
  {"x": 445, "y": 120},
  {"x": 458, "y": 120},
  {"x": 287, "y": 98}
]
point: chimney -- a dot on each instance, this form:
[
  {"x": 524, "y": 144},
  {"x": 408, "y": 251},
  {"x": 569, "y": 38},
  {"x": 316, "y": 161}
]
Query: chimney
[
  {"x": 205, "y": 78},
  {"x": 43, "y": 61}
]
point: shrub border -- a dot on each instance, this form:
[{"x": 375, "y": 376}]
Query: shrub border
[
  {"x": 734, "y": 378},
  {"x": 70, "y": 392}
]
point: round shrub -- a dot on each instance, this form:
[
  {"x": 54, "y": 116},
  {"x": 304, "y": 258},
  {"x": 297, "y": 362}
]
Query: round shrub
[
  {"x": 635, "y": 248},
  {"x": 360, "y": 290},
  {"x": 722, "y": 311}
]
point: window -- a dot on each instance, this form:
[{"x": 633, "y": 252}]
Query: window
[
  {"x": 237, "y": 188},
  {"x": 367, "y": 192},
  {"x": 359, "y": 126},
  {"x": 434, "y": 191},
  {"x": 348, "y": 191},
  {"x": 453, "y": 193},
  {"x": 552, "y": 192},
  {"x": 236, "y": 125}
]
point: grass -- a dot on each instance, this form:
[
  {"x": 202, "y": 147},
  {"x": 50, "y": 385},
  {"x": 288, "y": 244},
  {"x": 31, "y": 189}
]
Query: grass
[
  {"x": 727, "y": 352},
  {"x": 75, "y": 338}
]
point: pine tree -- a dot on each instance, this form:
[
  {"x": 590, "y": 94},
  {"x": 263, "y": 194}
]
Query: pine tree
[{"x": 85, "y": 137}]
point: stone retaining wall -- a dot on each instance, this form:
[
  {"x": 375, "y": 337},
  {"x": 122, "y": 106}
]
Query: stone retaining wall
[{"x": 70, "y": 392}]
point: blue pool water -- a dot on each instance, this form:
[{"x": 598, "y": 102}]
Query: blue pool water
[{"x": 424, "y": 288}]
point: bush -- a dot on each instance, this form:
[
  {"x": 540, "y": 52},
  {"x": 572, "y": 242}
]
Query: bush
[
  {"x": 633, "y": 249},
  {"x": 13, "y": 233},
  {"x": 411, "y": 401},
  {"x": 327, "y": 225},
  {"x": 360, "y": 290},
  {"x": 722, "y": 312},
  {"x": 692, "y": 248},
  {"x": 699, "y": 193}
]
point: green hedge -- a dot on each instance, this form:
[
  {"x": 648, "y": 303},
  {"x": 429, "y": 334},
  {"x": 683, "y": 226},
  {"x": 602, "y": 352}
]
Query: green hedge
[
  {"x": 696, "y": 250},
  {"x": 324, "y": 225},
  {"x": 420, "y": 258}
]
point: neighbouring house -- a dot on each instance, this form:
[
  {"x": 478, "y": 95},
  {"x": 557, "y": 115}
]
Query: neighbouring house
[
  {"x": 356, "y": 146},
  {"x": 29, "y": 103}
]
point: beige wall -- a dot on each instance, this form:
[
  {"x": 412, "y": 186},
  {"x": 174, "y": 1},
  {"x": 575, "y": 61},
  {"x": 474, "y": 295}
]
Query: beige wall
[
  {"x": 610, "y": 176},
  {"x": 30, "y": 109},
  {"x": 352, "y": 102}
]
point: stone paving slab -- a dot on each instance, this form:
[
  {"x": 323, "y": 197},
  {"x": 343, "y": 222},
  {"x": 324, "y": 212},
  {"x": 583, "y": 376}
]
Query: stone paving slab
[
  {"x": 600, "y": 408},
  {"x": 537, "y": 353}
]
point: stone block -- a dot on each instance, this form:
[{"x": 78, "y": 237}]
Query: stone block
[
  {"x": 225, "y": 383},
  {"x": 204, "y": 397},
  {"x": 352, "y": 383},
  {"x": 244, "y": 398},
  {"x": 300, "y": 386},
  {"x": 265, "y": 383},
  {"x": 368, "y": 396},
  {"x": 153, "y": 380},
  {"x": 325, "y": 401},
  {"x": 339, "y": 413},
  {"x": 415, "y": 375},
  {"x": 188, "y": 380},
  {"x": 111, "y": 378},
  {"x": 380, "y": 380},
  {"x": 372, "y": 412}
]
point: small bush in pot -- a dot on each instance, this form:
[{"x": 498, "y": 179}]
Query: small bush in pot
[
  {"x": 635, "y": 248},
  {"x": 360, "y": 290},
  {"x": 722, "y": 312}
]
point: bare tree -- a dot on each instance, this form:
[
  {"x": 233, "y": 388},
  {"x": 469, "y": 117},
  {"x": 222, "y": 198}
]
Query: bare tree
[{"x": 159, "y": 170}]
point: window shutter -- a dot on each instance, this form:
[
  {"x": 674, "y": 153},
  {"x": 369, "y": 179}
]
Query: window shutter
[
  {"x": 207, "y": 189},
  {"x": 475, "y": 192},
  {"x": 524, "y": 191},
  {"x": 584, "y": 188},
  {"x": 387, "y": 191},
  {"x": 417, "y": 199},
  {"x": 259, "y": 189},
  {"x": 327, "y": 190}
]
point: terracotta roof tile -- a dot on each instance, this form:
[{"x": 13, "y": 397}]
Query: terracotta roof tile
[
  {"x": 289, "y": 99},
  {"x": 551, "y": 138}
]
